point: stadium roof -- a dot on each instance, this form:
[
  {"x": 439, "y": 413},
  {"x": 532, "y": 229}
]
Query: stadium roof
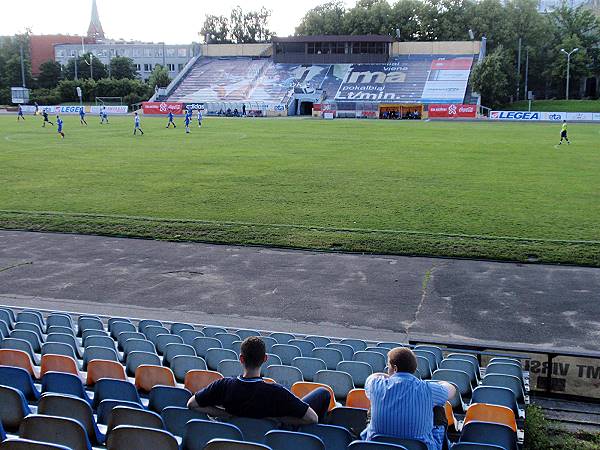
[{"x": 332, "y": 38}]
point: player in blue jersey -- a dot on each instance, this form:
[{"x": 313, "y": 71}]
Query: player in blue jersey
[
  {"x": 170, "y": 116},
  {"x": 59, "y": 126},
  {"x": 82, "y": 117},
  {"x": 136, "y": 124},
  {"x": 188, "y": 119},
  {"x": 20, "y": 114},
  {"x": 199, "y": 118}
]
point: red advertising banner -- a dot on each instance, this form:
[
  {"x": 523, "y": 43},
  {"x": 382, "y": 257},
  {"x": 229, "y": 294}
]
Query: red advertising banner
[
  {"x": 452, "y": 64},
  {"x": 452, "y": 110},
  {"x": 162, "y": 107}
]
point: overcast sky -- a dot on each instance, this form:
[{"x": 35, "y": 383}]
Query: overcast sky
[{"x": 175, "y": 22}]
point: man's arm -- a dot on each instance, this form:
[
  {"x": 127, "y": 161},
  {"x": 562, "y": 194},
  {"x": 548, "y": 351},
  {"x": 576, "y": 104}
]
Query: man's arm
[
  {"x": 309, "y": 418},
  {"x": 441, "y": 398},
  {"x": 213, "y": 411}
]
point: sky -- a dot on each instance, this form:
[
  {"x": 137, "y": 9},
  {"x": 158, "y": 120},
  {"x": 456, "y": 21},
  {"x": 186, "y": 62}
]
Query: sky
[{"x": 173, "y": 22}]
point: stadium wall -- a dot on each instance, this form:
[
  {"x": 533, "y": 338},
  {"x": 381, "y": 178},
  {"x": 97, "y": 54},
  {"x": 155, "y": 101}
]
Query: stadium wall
[
  {"x": 436, "y": 48},
  {"x": 223, "y": 50}
]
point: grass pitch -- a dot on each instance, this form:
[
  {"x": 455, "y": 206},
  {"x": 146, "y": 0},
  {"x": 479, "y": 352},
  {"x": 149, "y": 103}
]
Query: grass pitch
[{"x": 479, "y": 190}]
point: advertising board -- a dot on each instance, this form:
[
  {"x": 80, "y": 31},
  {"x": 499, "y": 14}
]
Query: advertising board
[
  {"x": 515, "y": 115},
  {"x": 110, "y": 109},
  {"x": 162, "y": 108},
  {"x": 552, "y": 116},
  {"x": 449, "y": 111}
]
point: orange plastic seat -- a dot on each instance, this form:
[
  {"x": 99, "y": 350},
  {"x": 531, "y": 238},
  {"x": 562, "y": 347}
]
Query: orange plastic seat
[
  {"x": 196, "y": 380},
  {"x": 484, "y": 412},
  {"x": 101, "y": 368},
  {"x": 18, "y": 358},
  {"x": 146, "y": 377},
  {"x": 268, "y": 380},
  {"x": 59, "y": 363},
  {"x": 450, "y": 415},
  {"x": 302, "y": 388},
  {"x": 357, "y": 398}
]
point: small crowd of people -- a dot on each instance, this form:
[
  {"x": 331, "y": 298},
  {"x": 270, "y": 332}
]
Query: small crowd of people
[
  {"x": 402, "y": 405},
  {"x": 396, "y": 115},
  {"x": 232, "y": 113}
]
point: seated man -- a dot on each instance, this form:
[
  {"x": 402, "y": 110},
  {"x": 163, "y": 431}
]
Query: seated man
[
  {"x": 402, "y": 405},
  {"x": 249, "y": 396}
]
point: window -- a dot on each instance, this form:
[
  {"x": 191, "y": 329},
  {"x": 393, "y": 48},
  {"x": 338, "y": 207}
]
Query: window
[
  {"x": 138, "y": 67},
  {"x": 126, "y": 52},
  {"x": 72, "y": 53},
  {"x": 60, "y": 53},
  {"x": 147, "y": 67},
  {"x": 158, "y": 52},
  {"x": 180, "y": 67},
  {"x": 182, "y": 52},
  {"x": 137, "y": 52},
  {"x": 170, "y": 52},
  {"x": 171, "y": 67}
]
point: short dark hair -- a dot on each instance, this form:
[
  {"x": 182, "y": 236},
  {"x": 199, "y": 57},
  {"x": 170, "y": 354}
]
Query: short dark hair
[
  {"x": 403, "y": 359},
  {"x": 253, "y": 350}
]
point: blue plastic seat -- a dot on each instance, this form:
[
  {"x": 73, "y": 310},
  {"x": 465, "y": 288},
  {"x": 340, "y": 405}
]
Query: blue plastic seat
[
  {"x": 410, "y": 444},
  {"x": 243, "y": 333},
  {"x": 29, "y": 336},
  {"x": 269, "y": 342},
  {"x": 505, "y": 360},
  {"x": 147, "y": 323},
  {"x": 8, "y": 313},
  {"x": 382, "y": 350},
  {"x": 359, "y": 371},
  {"x": 20, "y": 344},
  {"x": 253, "y": 430},
  {"x": 346, "y": 350},
  {"x": 28, "y": 444},
  {"x": 376, "y": 360},
  {"x": 124, "y": 415},
  {"x": 174, "y": 350},
  {"x": 286, "y": 353},
  {"x": 424, "y": 367},
  {"x": 489, "y": 433},
  {"x": 306, "y": 347},
  {"x": 162, "y": 396},
  {"x": 58, "y": 348},
  {"x": 390, "y": 345},
  {"x": 138, "y": 345},
  {"x": 340, "y": 382},
  {"x": 495, "y": 395},
  {"x": 430, "y": 356},
  {"x": 437, "y": 351},
  {"x": 357, "y": 344},
  {"x": 197, "y": 433},
  {"x": 507, "y": 381},
  {"x": 236, "y": 346},
  {"x": 461, "y": 364},
  {"x": 98, "y": 341},
  {"x": 212, "y": 331},
  {"x": 132, "y": 437},
  {"x": 118, "y": 327},
  {"x": 152, "y": 332},
  {"x": 31, "y": 317},
  {"x": 370, "y": 445},
  {"x": 136, "y": 359},
  {"x": 334, "y": 437},
  {"x": 216, "y": 355},
  {"x": 309, "y": 366},
  {"x": 203, "y": 344},
  {"x": 106, "y": 407},
  {"x": 73, "y": 408},
  {"x": 4, "y": 329},
  {"x": 272, "y": 360},
  {"x": 353, "y": 419},
  {"x": 188, "y": 336},
  {"x": 28, "y": 326},
  {"x": 13, "y": 408},
  {"x": 107, "y": 354},
  {"x": 109, "y": 389},
  {"x": 162, "y": 340},
  {"x": 67, "y": 339},
  {"x": 475, "y": 446},
  {"x": 175, "y": 418},
  {"x": 182, "y": 364},
  {"x": 331, "y": 356},
  {"x": 5, "y": 317},
  {"x": 292, "y": 440},
  {"x": 282, "y": 338},
  {"x": 231, "y": 444},
  {"x": 64, "y": 383},
  {"x": 227, "y": 339},
  {"x": 55, "y": 430},
  {"x": 178, "y": 327},
  {"x": 89, "y": 323},
  {"x": 319, "y": 341},
  {"x": 460, "y": 379},
  {"x": 59, "y": 320},
  {"x": 284, "y": 375},
  {"x": 88, "y": 333},
  {"x": 19, "y": 379},
  {"x": 113, "y": 320},
  {"x": 468, "y": 357},
  {"x": 229, "y": 368},
  {"x": 59, "y": 329},
  {"x": 126, "y": 335},
  {"x": 505, "y": 369}
]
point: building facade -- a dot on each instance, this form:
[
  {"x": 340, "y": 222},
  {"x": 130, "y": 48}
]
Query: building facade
[
  {"x": 41, "y": 48},
  {"x": 144, "y": 55}
]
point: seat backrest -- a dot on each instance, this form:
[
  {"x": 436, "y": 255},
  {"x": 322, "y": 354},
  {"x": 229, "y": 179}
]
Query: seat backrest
[
  {"x": 230, "y": 444},
  {"x": 359, "y": 371},
  {"x": 13, "y": 408},
  {"x": 227, "y": 339},
  {"x": 437, "y": 351},
  {"x": 98, "y": 341},
  {"x": 284, "y": 375},
  {"x": 203, "y": 344},
  {"x": 243, "y": 333},
  {"x": 59, "y": 363},
  {"x": 136, "y": 359},
  {"x": 31, "y": 317},
  {"x": 253, "y": 430},
  {"x": 107, "y": 354},
  {"x": 331, "y": 356},
  {"x": 73, "y": 408},
  {"x": 353, "y": 419},
  {"x": 459, "y": 378},
  {"x": 124, "y": 336},
  {"x": 508, "y": 381},
  {"x": 176, "y": 417},
  {"x": 196, "y": 380},
  {"x": 11, "y": 343},
  {"x": 124, "y": 415},
  {"x": 505, "y": 360},
  {"x": 309, "y": 366},
  {"x": 491, "y": 413},
  {"x": 269, "y": 342},
  {"x": 173, "y": 350},
  {"x": 64, "y": 383},
  {"x": 319, "y": 341},
  {"x": 467, "y": 356},
  {"x": 282, "y": 338},
  {"x": 376, "y": 360},
  {"x": 430, "y": 356},
  {"x": 504, "y": 369},
  {"x": 197, "y": 433},
  {"x": 182, "y": 364},
  {"x": 410, "y": 444},
  {"x": 346, "y": 350},
  {"x": 152, "y": 332},
  {"x": 146, "y": 377},
  {"x": 163, "y": 339},
  {"x": 286, "y": 352},
  {"x": 58, "y": 348},
  {"x": 17, "y": 358},
  {"x": 340, "y": 382},
  {"x": 109, "y": 389},
  {"x": 423, "y": 367},
  {"x": 59, "y": 320},
  {"x": 142, "y": 324},
  {"x": 138, "y": 345},
  {"x": 390, "y": 345},
  {"x": 55, "y": 430},
  {"x": 115, "y": 320},
  {"x": 357, "y": 398},
  {"x": 28, "y": 444},
  {"x": 475, "y": 446},
  {"x": 489, "y": 433},
  {"x": 229, "y": 368},
  {"x": 210, "y": 331},
  {"x": 30, "y": 328},
  {"x": 216, "y": 355},
  {"x": 60, "y": 330},
  {"x": 64, "y": 338},
  {"x": 460, "y": 364},
  {"x": 306, "y": 347},
  {"x": 132, "y": 437},
  {"x": 334, "y": 437},
  {"x": 178, "y": 327},
  {"x": 106, "y": 406},
  {"x": 370, "y": 445},
  {"x": 302, "y": 388},
  {"x": 495, "y": 395},
  {"x": 88, "y": 323},
  {"x": 89, "y": 333},
  {"x": 119, "y": 327},
  {"x": 292, "y": 440},
  {"x": 99, "y": 368},
  {"x": 188, "y": 336},
  {"x": 357, "y": 344},
  {"x": 162, "y": 396}
]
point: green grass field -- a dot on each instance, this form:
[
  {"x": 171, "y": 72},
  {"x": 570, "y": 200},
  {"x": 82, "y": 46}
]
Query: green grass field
[
  {"x": 556, "y": 105},
  {"x": 479, "y": 190}
]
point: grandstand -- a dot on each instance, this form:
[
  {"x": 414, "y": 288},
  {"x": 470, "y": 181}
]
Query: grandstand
[
  {"x": 412, "y": 74},
  {"x": 77, "y": 381}
]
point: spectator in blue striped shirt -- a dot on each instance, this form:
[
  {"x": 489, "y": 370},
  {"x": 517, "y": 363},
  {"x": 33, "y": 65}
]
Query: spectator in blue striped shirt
[{"x": 402, "y": 405}]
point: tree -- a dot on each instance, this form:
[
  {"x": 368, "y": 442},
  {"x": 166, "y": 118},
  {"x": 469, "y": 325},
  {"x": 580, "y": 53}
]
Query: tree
[
  {"x": 84, "y": 70},
  {"x": 123, "y": 67},
  {"x": 327, "y": 19},
  {"x": 159, "y": 77},
  {"x": 50, "y": 74},
  {"x": 490, "y": 78},
  {"x": 216, "y": 30}
]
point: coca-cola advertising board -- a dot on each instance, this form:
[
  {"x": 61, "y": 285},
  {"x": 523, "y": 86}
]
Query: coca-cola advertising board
[
  {"x": 162, "y": 108},
  {"x": 449, "y": 111}
]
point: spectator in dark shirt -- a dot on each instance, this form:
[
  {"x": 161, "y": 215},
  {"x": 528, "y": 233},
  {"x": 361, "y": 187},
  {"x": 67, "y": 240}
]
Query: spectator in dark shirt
[{"x": 249, "y": 396}]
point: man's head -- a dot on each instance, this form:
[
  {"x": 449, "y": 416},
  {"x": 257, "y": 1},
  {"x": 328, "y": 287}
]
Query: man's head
[
  {"x": 253, "y": 352},
  {"x": 401, "y": 359}
]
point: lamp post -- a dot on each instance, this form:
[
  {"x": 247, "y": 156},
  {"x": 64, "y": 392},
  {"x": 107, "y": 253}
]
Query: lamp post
[{"x": 568, "y": 67}]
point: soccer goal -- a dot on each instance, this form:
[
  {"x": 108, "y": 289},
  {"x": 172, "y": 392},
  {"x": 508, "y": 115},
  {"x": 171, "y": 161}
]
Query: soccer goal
[{"x": 106, "y": 101}]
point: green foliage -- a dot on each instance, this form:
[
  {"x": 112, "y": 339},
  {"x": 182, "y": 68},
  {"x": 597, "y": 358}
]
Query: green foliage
[
  {"x": 327, "y": 18},
  {"x": 240, "y": 27},
  {"x": 490, "y": 79},
  {"x": 86, "y": 65},
  {"x": 122, "y": 67},
  {"x": 10, "y": 61},
  {"x": 106, "y": 87},
  {"x": 557, "y": 105},
  {"x": 45, "y": 96},
  {"x": 159, "y": 77},
  {"x": 50, "y": 74}
]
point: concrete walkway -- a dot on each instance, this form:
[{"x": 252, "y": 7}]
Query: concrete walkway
[{"x": 369, "y": 296}]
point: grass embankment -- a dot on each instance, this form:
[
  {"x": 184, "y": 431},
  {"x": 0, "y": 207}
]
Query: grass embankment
[
  {"x": 477, "y": 190},
  {"x": 556, "y": 106},
  {"x": 540, "y": 434}
]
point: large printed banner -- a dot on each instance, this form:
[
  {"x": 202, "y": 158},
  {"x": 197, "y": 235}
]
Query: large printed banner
[
  {"x": 447, "y": 80},
  {"x": 162, "y": 107},
  {"x": 110, "y": 109},
  {"x": 374, "y": 83},
  {"x": 546, "y": 116},
  {"x": 449, "y": 111}
]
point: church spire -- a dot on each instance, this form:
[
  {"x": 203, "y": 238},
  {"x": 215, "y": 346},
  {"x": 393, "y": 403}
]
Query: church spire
[{"x": 95, "y": 30}]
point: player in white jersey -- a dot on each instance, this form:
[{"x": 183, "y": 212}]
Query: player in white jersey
[
  {"x": 199, "y": 118},
  {"x": 136, "y": 124}
]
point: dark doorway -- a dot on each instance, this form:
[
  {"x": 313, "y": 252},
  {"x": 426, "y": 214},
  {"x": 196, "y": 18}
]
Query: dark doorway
[{"x": 306, "y": 108}]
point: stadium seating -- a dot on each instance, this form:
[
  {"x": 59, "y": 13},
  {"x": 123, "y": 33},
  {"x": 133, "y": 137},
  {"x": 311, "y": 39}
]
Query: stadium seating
[{"x": 118, "y": 382}]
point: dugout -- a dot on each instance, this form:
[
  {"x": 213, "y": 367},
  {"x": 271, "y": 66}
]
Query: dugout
[{"x": 400, "y": 111}]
